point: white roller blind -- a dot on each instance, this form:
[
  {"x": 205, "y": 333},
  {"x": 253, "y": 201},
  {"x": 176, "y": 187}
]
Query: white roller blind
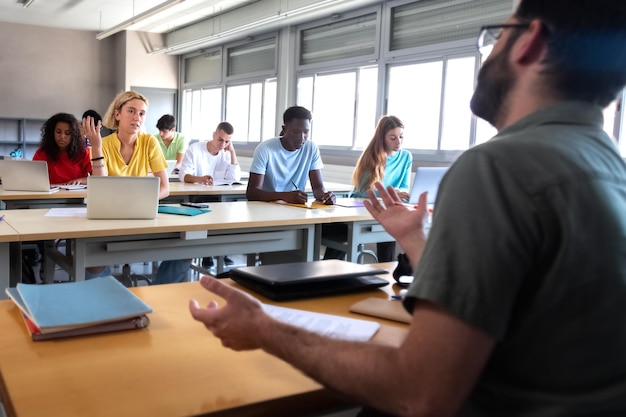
[
  {"x": 346, "y": 39},
  {"x": 205, "y": 68},
  {"x": 429, "y": 22},
  {"x": 256, "y": 56}
]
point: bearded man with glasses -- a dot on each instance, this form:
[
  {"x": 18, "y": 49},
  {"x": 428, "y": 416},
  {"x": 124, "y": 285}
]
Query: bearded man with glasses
[{"x": 518, "y": 300}]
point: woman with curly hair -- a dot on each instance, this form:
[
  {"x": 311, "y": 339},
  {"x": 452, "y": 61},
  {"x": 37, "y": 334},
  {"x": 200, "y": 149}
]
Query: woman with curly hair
[{"x": 62, "y": 146}]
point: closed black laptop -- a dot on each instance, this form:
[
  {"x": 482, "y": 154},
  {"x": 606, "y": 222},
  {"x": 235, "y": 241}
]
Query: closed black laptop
[{"x": 308, "y": 279}]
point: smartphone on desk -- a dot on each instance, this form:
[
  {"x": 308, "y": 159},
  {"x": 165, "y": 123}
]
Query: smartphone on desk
[{"x": 195, "y": 205}]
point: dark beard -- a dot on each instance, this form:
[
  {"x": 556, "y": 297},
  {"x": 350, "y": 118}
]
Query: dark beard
[{"x": 495, "y": 80}]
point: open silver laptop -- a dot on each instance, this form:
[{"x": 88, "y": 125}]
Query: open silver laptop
[
  {"x": 122, "y": 197},
  {"x": 171, "y": 163},
  {"x": 427, "y": 179},
  {"x": 24, "y": 175}
]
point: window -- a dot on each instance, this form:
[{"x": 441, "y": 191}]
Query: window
[
  {"x": 202, "y": 112},
  {"x": 457, "y": 117},
  {"x": 251, "y": 109},
  {"x": 432, "y": 99},
  {"x": 341, "y": 103},
  {"x": 414, "y": 96}
]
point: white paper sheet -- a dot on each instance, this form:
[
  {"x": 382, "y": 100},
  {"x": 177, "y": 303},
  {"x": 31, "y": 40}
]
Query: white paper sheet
[
  {"x": 325, "y": 324},
  {"x": 67, "y": 212}
]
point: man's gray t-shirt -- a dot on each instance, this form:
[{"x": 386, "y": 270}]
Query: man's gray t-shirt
[{"x": 528, "y": 244}]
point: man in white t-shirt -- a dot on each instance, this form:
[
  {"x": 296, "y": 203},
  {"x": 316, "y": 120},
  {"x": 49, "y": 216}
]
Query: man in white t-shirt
[{"x": 212, "y": 161}]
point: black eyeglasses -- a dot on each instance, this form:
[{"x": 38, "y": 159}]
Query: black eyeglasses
[{"x": 489, "y": 35}]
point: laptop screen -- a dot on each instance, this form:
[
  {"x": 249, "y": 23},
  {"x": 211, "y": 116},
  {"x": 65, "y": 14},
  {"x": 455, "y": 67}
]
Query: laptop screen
[
  {"x": 427, "y": 179},
  {"x": 23, "y": 175},
  {"x": 122, "y": 197}
]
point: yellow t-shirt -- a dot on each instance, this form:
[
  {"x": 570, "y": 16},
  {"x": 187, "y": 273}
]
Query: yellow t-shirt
[{"x": 147, "y": 156}]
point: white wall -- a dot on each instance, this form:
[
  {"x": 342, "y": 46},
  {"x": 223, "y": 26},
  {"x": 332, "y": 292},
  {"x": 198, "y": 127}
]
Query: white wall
[{"x": 45, "y": 70}]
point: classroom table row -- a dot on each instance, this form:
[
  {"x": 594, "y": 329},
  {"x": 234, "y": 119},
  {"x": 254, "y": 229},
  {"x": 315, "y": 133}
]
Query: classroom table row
[
  {"x": 239, "y": 227},
  {"x": 179, "y": 192},
  {"x": 175, "y": 367}
]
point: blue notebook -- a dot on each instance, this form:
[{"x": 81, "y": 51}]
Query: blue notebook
[
  {"x": 59, "y": 307},
  {"x": 183, "y": 211}
]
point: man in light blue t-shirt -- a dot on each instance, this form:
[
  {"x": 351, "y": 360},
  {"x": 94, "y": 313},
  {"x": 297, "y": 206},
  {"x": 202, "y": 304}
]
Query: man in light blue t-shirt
[{"x": 281, "y": 165}]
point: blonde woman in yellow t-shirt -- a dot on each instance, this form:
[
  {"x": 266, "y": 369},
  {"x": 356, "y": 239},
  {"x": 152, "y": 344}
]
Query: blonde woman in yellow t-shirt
[{"x": 127, "y": 151}]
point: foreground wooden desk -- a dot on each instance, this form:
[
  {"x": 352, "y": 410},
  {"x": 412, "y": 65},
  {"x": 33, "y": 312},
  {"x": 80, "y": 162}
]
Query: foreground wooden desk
[
  {"x": 232, "y": 227},
  {"x": 173, "y": 368}
]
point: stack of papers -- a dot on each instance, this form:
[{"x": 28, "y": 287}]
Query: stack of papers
[{"x": 98, "y": 305}]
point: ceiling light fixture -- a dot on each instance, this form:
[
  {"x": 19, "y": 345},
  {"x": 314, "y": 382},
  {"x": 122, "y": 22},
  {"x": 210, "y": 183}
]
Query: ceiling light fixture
[{"x": 135, "y": 19}]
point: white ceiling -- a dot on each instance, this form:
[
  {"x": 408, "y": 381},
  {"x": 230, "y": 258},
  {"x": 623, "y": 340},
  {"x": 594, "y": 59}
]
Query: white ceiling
[{"x": 101, "y": 15}]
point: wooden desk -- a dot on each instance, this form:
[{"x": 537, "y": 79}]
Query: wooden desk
[
  {"x": 173, "y": 368},
  {"x": 28, "y": 199},
  {"x": 362, "y": 229},
  {"x": 233, "y": 227}
]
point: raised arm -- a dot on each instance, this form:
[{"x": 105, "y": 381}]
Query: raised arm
[{"x": 92, "y": 130}]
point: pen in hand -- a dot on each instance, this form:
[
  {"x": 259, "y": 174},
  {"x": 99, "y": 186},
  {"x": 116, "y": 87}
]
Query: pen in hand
[{"x": 296, "y": 187}]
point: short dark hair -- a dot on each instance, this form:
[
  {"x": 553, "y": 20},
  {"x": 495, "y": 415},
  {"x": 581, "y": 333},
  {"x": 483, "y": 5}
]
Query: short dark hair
[
  {"x": 226, "y": 127},
  {"x": 586, "y": 58},
  {"x": 166, "y": 122},
  {"x": 296, "y": 112},
  {"x": 94, "y": 114}
]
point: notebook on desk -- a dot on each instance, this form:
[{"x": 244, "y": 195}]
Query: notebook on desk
[
  {"x": 122, "y": 197},
  {"x": 308, "y": 279},
  {"x": 23, "y": 175}
]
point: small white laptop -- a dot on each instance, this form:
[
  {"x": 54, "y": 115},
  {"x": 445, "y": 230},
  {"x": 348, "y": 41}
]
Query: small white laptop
[
  {"x": 171, "y": 163},
  {"x": 122, "y": 197},
  {"x": 24, "y": 175},
  {"x": 427, "y": 179}
]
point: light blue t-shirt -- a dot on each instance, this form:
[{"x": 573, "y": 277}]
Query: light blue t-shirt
[
  {"x": 397, "y": 173},
  {"x": 398, "y": 170},
  {"x": 280, "y": 166}
]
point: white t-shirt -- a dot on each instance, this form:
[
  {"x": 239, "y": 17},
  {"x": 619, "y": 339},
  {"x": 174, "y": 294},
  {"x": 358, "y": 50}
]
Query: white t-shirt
[{"x": 199, "y": 162}]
